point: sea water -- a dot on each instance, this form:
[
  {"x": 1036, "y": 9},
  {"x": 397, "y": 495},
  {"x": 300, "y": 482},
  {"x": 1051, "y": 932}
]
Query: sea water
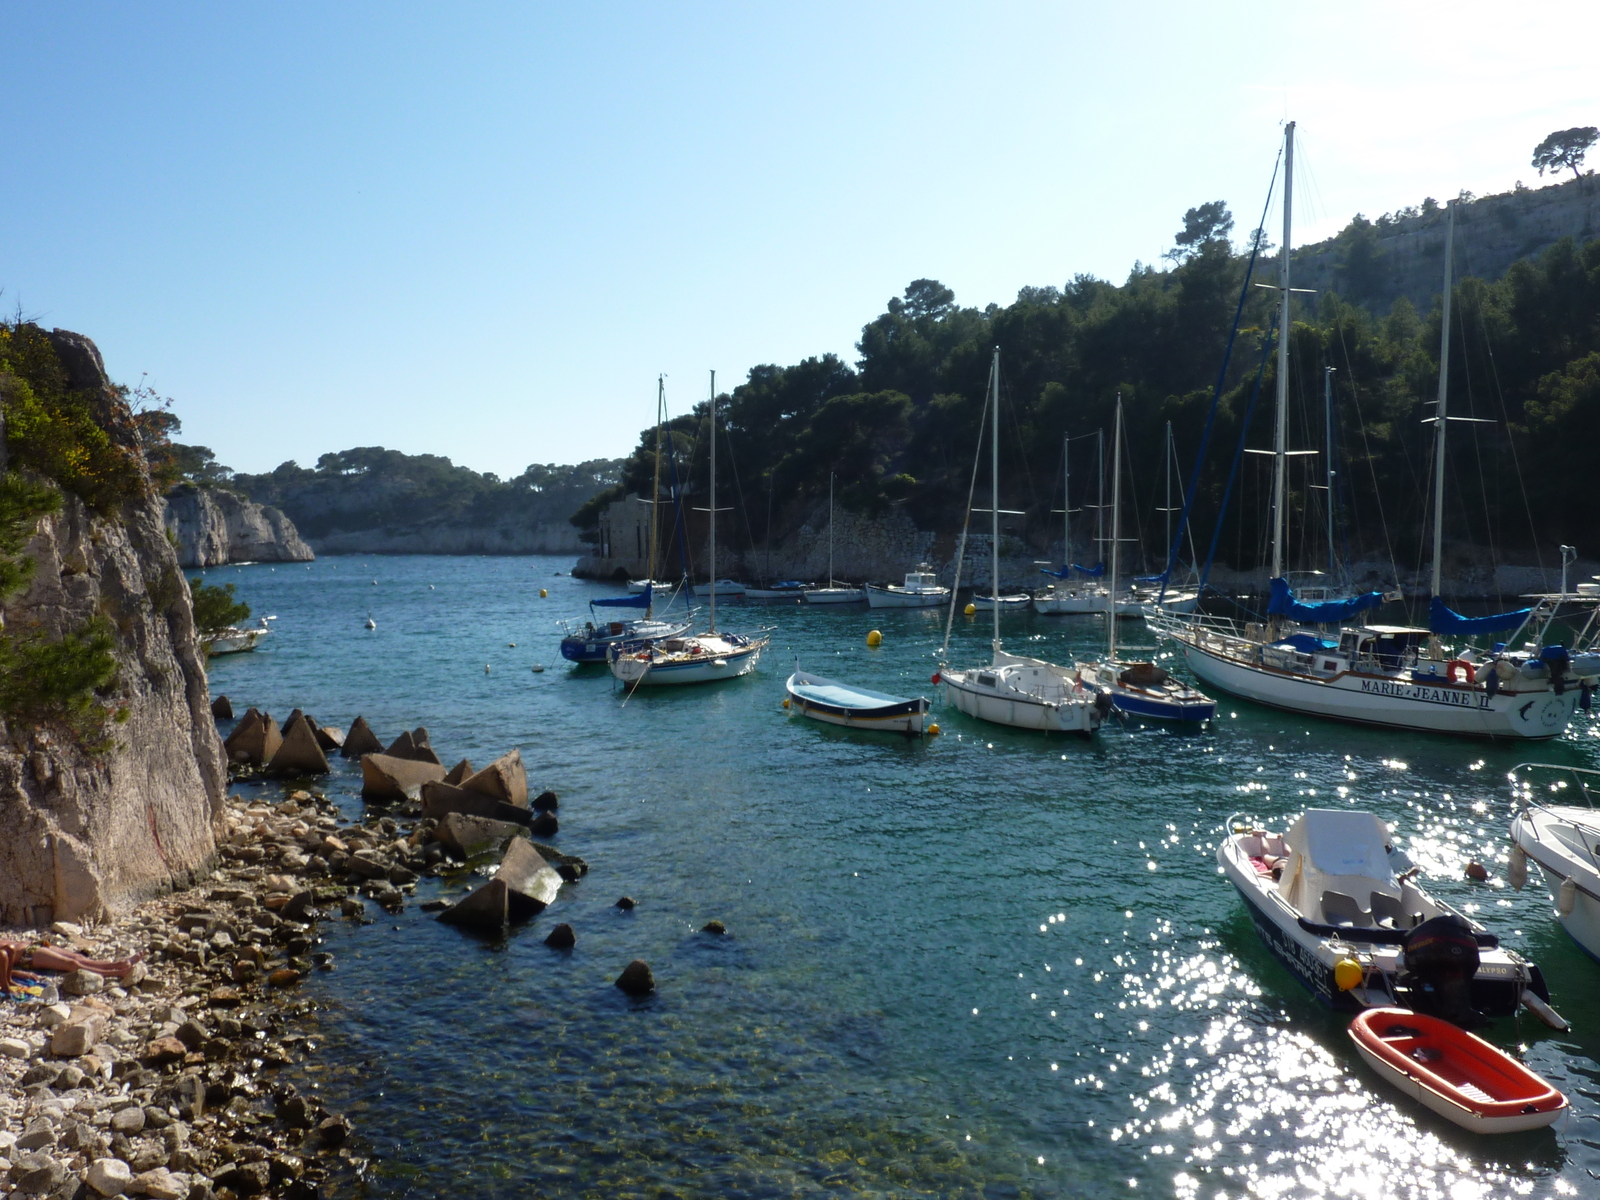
[{"x": 989, "y": 963}]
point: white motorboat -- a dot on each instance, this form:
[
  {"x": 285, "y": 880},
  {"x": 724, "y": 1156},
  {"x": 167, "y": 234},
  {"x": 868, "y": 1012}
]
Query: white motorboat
[
  {"x": 853, "y": 707},
  {"x": 1557, "y": 826},
  {"x": 1337, "y": 904},
  {"x": 726, "y": 589},
  {"x": 236, "y": 639},
  {"x": 921, "y": 590},
  {"x": 636, "y": 586},
  {"x": 1306, "y": 659},
  {"x": 1027, "y": 693}
]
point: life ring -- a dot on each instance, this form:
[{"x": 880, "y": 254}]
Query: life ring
[{"x": 1469, "y": 671}]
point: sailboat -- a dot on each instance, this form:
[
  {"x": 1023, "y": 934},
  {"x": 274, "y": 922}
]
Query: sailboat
[
  {"x": 1086, "y": 594},
  {"x": 697, "y": 658},
  {"x": 833, "y": 593},
  {"x": 1141, "y": 689},
  {"x": 1304, "y": 658},
  {"x": 595, "y": 641},
  {"x": 1027, "y": 693},
  {"x": 1186, "y": 599}
]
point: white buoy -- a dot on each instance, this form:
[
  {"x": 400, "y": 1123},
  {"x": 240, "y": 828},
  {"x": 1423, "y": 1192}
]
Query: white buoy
[
  {"x": 485, "y": 668},
  {"x": 537, "y": 668},
  {"x": 371, "y": 624},
  {"x": 1517, "y": 868}
]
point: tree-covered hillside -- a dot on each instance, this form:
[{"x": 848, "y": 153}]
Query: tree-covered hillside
[{"x": 900, "y": 426}]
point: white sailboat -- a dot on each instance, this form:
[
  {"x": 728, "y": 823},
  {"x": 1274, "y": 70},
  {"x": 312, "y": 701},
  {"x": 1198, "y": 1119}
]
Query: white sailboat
[
  {"x": 1157, "y": 589},
  {"x": 833, "y": 593},
  {"x": 1305, "y": 660},
  {"x": 696, "y": 658},
  {"x": 1067, "y": 595},
  {"x": 1027, "y": 693},
  {"x": 1139, "y": 688}
]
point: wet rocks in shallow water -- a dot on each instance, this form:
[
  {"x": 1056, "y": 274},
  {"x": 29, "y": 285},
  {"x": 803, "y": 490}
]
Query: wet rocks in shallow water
[
  {"x": 715, "y": 927},
  {"x": 467, "y": 836},
  {"x": 544, "y": 825},
  {"x": 385, "y": 777},
  {"x": 561, "y": 937},
  {"x": 533, "y": 883},
  {"x": 487, "y": 909},
  {"x": 546, "y": 801},
  {"x": 360, "y": 740},
  {"x": 441, "y": 798},
  {"x": 636, "y": 979},
  {"x": 299, "y": 753},
  {"x": 254, "y": 741},
  {"x": 505, "y": 779},
  {"x": 626, "y": 904},
  {"x": 222, "y": 708}
]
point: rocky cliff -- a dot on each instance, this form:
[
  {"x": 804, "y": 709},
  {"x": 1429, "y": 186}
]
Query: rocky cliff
[
  {"x": 213, "y": 527},
  {"x": 85, "y": 831}
]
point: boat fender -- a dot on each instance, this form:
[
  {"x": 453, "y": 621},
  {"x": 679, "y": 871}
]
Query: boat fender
[
  {"x": 1567, "y": 898},
  {"x": 935, "y": 678},
  {"x": 1544, "y": 1012},
  {"x": 1517, "y": 868},
  {"x": 1469, "y": 671},
  {"x": 1347, "y": 974}
]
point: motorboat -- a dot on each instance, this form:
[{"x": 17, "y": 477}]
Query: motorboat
[
  {"x": 635, "y": 586},
  {"x": 594, "y": 641},
  {"x": 1339, "y": 906},
  {"x": 853, "y": 707},
  {"x": 701, "y": 658},
  {"x": 1140, "y": 689},
  {"x": 1557, "y": 826},
  {"x": 1144, "y": 689},
  {"x": 834, "y": 595},
  {"x": 1455, "y": 1073},
  {"x": 921, "y": 589},
  {"x": 237, "y": 639},
  {"x": 723, "y": 589},
  {"x": 783, "y": 589},
  {"x": 1016, "y": 600}
]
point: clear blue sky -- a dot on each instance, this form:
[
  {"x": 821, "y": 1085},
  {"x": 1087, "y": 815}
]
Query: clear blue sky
[{"x": 482, "y": 230}]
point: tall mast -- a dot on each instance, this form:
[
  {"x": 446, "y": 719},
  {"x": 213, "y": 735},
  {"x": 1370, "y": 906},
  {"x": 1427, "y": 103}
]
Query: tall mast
[
  {"x": 1441, "y": 415},
  {"x": 713, "y": 504},
  {"x": 1100, "y": 494},
  {"x": 655, "y": 500},
  {"x": 994, "y": 482},
  {"x": 1327, "y": 416},
  {"x": 1066, "y": 505},
  {"x": 1168, "y": 509},
  {"x": 1116, "y": 529},
  {"x": 830, "y": 529},
  {"x": 1280, "y": 437}
]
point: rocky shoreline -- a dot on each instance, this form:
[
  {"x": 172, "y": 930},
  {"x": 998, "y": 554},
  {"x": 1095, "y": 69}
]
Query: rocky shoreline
[{"x": 172, "y": 1083}]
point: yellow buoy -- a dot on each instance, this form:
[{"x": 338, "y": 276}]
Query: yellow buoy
[
  {"x": 970, "y": 609},
  {"x": 875, "y": 638},
  {"x": 543, "y": 594},
  {"x": 1347, "y": 973},
  {"x": 786, "y": 702},
  {"x": 933, "y": 730}
]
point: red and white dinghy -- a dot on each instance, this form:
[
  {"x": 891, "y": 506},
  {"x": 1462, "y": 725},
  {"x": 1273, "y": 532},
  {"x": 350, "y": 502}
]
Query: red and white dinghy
[{"x": 1459, "y": 1076}]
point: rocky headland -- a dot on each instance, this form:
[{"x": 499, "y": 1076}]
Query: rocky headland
[{"x": 213, "y": 527}]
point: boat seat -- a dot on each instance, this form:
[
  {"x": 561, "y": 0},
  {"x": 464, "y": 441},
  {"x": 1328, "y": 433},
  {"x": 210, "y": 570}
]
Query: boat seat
[
  {"x": 1340, "y": 909},
  {"x": 1390, "y": 909}
]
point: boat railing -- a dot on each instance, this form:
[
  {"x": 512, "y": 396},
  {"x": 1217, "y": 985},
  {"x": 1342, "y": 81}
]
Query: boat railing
[{"x": 1525, "y": 783}]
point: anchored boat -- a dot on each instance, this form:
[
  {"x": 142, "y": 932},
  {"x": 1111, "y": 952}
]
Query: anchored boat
[
  {"x": 853, "y": 707},
  {"x": 1340, "y": 907},
  {"x": 1459, "y": 1076},
  {"x": 1557, "y": 826},
  {"x": 922, "y": 590}
]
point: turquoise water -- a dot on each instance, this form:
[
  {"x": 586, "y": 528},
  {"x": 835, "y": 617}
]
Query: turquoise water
[{"x": 985, "y": 964}]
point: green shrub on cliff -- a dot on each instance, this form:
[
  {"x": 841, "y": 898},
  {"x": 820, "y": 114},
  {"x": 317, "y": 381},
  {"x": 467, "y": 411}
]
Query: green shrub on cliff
[{"x": 216, "y": 608}]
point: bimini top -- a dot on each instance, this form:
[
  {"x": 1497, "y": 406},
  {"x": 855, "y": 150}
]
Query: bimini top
[
  {"x": 1394, "y": 630},
  {"x": 1341, "y": 842}
]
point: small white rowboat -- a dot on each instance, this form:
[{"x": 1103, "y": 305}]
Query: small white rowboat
[{"x": 854, "y": 707}]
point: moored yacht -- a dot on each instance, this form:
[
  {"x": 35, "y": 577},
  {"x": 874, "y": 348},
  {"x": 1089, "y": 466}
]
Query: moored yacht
[
  {"x": 1557, "y": 827},
  {"x": 921, "y": 590}
]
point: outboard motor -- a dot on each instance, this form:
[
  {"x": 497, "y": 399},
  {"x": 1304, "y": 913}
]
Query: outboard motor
[{"x": 1441, "y": 957}]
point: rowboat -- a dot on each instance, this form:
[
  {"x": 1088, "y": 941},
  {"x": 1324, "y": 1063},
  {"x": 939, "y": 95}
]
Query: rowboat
[
  {"x": 854, "y": 707},
  {"x": 1459, "y": 1076},
  {"x": 1017, "y": 600}
]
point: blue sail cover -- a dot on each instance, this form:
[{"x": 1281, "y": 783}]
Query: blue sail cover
[
  {"x": 1443, "y": 619},
  {"x": 1093, "y": 572},
  {"x": 642, "y": 600},
  {"x": 1283, "y": 604},
  {"x": 1054, "y": 574}
]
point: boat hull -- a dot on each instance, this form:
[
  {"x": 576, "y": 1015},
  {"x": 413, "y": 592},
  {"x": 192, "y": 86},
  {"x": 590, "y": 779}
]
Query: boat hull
[
  {"x": 1557, "y": 862},
  {"x": 835, "y": 596},
  {"x": 1461, "y": 1077},
  {"x": 636, "y": 671},
  {"x": 1068, "y": 715},
  {"x": 989, "y": 603},
  {"x": 908, "y": 718},
  {"x": 235, "y": 641},
  {"x": 1437, "y": 707},
  {"x": 894, "y": 597}
]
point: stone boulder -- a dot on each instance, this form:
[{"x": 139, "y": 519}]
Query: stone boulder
[
  {"x": 299, "y": 753},
  {"x": 384, "y": 777},
  {"x": 440, "y": 798},
  {"x": 505, "y": 779}
]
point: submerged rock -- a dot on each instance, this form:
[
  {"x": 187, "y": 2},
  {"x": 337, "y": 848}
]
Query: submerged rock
[
  {"x": 360, "y": 740},
  {"x": 625, "y": 904},
  {"x": 561, "y": 937},
  {"x": 716, "y": 927},
  {"x": 546, "y": 801},
  {"x": 222, "y": 708},
  {"x": 636, "y": 979},
  {"x": 487, "y": 908}
]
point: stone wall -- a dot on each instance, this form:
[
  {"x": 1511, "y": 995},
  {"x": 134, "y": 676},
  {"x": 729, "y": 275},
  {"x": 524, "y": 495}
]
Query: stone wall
[
  {"x": 86, "y": 832},
  {"x": 215, "y": 527}
]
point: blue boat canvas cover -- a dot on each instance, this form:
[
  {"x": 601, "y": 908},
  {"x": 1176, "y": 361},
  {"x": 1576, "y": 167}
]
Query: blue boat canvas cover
[
  {"x": 1443, "y": 619},
  {"x": 642, "y": 600},
  {"x": 1283, "y": 604}
]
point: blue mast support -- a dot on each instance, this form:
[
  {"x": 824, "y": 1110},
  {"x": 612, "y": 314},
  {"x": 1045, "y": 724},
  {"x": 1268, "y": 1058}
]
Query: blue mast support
[{"x": 1216, "y": 393}]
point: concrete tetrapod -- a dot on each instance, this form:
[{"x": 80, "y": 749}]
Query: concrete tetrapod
[
  {"x": 440, "y": 798},
  {"x": 360, "y": 740},
  {"x": 222, "y": 708},
  {"x": 406, "y": 746},
  {"x": 505, "y": 779},
  {"x": 255, "y": 741},
  {"x": 299, "y": 753},
  {"x": 460, "y": 772},
  {"x": 468, "y": 836},
  {"x": 386, "y": 778},
  {"x": 523, "y": 887}
]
